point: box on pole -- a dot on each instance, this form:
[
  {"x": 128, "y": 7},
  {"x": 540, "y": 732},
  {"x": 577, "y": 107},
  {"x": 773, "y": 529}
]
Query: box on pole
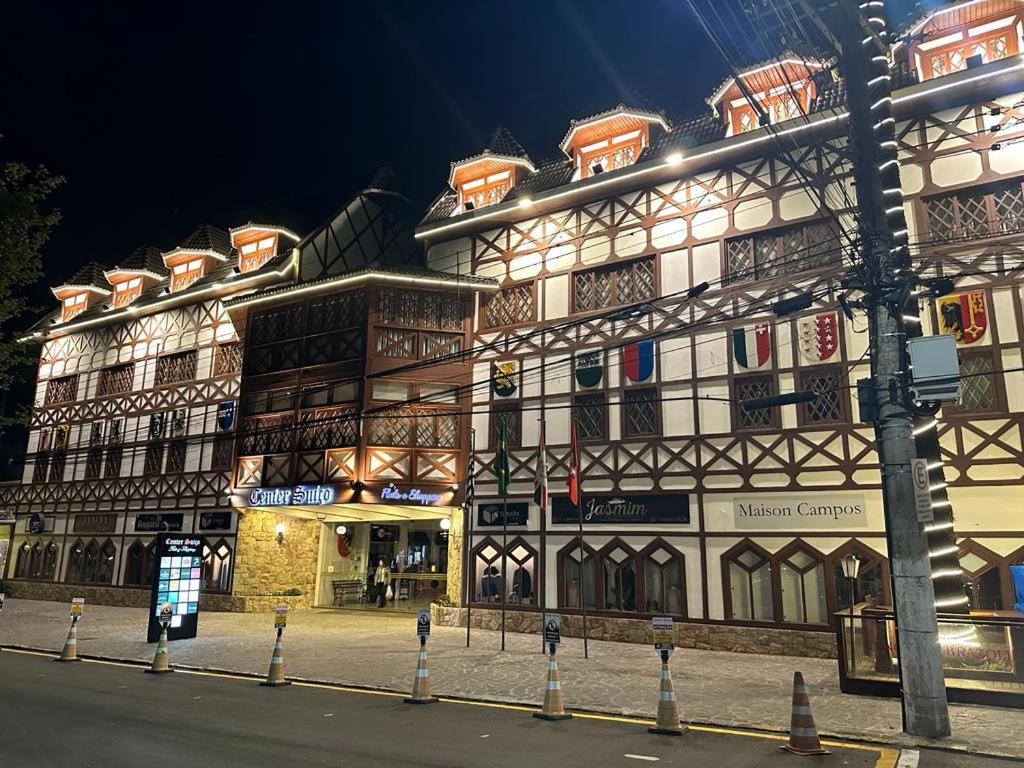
[
  {"x": 280, "y": 615},
  {"x": 663, "y": 633},
  {"x": 77, "y": 607},
  {"x": 423, "y": 624},
  {"x": 552, "y": 628}
]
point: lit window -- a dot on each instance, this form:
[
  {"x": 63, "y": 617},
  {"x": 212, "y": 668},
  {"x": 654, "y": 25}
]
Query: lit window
[
  {"x": 186, "y": 273},
  {"x": 73, "y": 305}
]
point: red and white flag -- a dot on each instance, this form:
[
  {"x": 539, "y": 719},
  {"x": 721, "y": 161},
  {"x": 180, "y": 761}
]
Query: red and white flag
[
  {"x": 573, "y": 480},
  {"x": 818, "y": 336}
]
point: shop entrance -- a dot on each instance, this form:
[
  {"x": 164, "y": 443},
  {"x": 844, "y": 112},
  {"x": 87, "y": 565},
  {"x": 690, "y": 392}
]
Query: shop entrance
[{"x": 390, "y": 565}]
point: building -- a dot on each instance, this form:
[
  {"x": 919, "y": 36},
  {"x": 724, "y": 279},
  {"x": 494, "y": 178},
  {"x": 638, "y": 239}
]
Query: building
[
  {"x": 637, "y": 275},
  {"x": 133, "y": 424}
]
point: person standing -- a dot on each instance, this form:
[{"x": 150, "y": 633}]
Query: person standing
[{"x": 381, "y": 579}]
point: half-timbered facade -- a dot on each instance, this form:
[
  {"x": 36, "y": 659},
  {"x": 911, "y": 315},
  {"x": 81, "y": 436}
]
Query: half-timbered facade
[
  {"x": 133, "y": 422},
  {"x": 636, "y": 304}
]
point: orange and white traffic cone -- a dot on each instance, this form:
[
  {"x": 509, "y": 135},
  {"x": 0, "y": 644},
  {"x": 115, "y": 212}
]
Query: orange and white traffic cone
[
  {"x": 554, "y": 702},
  {"x": 160, "y": 661},
  {"x": 275, "y": 675},
  {"x": 803, "y": 735},
  {"x": 421, "y": 685},
  {"x": 70, "y": 652},
  {"x": 668, "y": 722}
]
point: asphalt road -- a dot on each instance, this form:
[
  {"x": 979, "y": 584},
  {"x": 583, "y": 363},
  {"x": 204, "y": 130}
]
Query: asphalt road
[{"x": 107, "y": 715}]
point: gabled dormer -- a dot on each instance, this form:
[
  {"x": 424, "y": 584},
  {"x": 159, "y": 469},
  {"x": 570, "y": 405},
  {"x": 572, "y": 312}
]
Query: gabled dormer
[
  {"x": 784, "y": 89},
  {"x": 257, "y": 244},
  {"x": 141, "y": 270},
  {"x": 972, "y": 33},
  {"x": 486, "y": 178},
  {"x": 81, "y": 291},
  {"x": 610, "y": 140},
  {"x": 196, "y": 257}
]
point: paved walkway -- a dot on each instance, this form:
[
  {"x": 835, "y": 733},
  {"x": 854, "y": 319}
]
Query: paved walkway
[{"x": 379, "y": 651}]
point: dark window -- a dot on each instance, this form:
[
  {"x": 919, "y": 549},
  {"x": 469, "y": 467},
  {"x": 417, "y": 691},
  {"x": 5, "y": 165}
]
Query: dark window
[
  {"x": 140, "y": 564},
  {"x": 154, "y": 459},
  {"x": 437, "y": 430},
  {"x": 509, "y": 306},
  {"x": 157, "y": 425},
  {"x": 62, "y": 390},
  {"x": 116, "y": 380},
  {"x": 640, "y": 412},
  {"x": 57, "y": 461},
  {"x": 227, "y": 359},
  {"x": 91, "y": 562},
  {"x": 827, "y": 384},
  {"x": 751, "y": 387},
  {"x": 977, "y": 212},
  {"x": 217, "y": 566},
  {"x": 41, "y": 467},
  {"x": 37, "y": 561},
  {"x": 618, "y": 572},
  {"x": 394, "y": 427},
  {"x": 589, "y": 413},
  {"x": 112, "y": 465},
  {"x": 328, "y": 428},
  {"x": 779, "y": 252},
  {"x": 267, "y": 434},
  {"x": 981, "y": 578},
  {"x": 93, "y": 463},
  {"x": 509, "y": 415},
  {"x": 176, "y": 450},
  {"x": 171, "y": 369},
  {"x": 624, "y": 283},
  {"x": 977, "y": 382}
]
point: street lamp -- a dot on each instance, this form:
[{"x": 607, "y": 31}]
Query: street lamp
[
  {"x": 341, "y": 530},
  {"x": 279, "y": 530},
  {"x": 851, "y": 566},
  {"x": 446, "y": 523}
]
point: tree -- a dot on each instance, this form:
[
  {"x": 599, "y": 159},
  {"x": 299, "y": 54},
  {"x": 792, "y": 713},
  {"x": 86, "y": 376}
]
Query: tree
[{"x": 25, "y": 226}]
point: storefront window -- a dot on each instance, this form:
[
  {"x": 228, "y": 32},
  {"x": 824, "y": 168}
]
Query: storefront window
[
  {"x": 36, "y": 561},
  {"x": 748, "y": 578},
  {"x": 870, "y": 578},
  {"x": 802, "y": 583},
  {"x": 571, "y": 585},
  {"x": 217, "y": 567},
  {"x": 981, "y": 577},
  {"x": 664, "y": 586},
  {"x": 91, "y": 562},
  {"x": 140, "y": 562},
  {"x": 487, "y": 573},
  {"x": 618, "y": 565},
  {"x": 522, "y": 565}
]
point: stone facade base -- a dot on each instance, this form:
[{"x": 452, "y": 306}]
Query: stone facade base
[
  {"x": 134, "y": 597},
  {"x": 711, "y": 637}
]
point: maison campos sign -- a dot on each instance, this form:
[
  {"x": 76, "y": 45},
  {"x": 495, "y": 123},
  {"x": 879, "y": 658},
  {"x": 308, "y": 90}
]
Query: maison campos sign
[{"x": 825, "y": 510}]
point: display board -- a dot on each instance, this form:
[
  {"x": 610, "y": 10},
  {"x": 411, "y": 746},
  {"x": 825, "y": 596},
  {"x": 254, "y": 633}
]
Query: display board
[{"x": 177, "y": 580}]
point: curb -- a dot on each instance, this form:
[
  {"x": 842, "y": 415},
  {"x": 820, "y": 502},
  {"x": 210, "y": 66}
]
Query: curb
[{"x": 899, "y": 741}]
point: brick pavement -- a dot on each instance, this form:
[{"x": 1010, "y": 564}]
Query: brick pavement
[{"x": 379, "y": 651}]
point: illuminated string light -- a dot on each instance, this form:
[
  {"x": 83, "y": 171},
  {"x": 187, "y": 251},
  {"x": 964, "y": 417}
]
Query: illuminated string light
[
  {"x": 925, "y": 427},
  {"x": 911, "y": 319},
  {"x": 950, "y": 601},
  {"x": 937, "y": 486},
  {"x": 941, "y": 504},
  {"x": 935, "y": 465},
  {"x": 947, "y": 572},
  {"x": 942, "y": 552}
]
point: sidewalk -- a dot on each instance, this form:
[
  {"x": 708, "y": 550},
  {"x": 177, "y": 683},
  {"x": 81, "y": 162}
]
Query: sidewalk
[{"x": 379, "y": 651}]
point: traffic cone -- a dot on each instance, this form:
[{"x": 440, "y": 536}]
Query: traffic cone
[
  {"x": 668, "y": 711},
  {"x": 421, "y": 686},
  {"x": 803, "y": 735},
  {"x": 275, "y": 675},
  {"x": 554, "y": 703},
  {"x": 70, "y": 652},
  {"x": 160, "y": 661}
]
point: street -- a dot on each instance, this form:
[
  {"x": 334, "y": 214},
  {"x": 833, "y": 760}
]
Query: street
[{"x": 110, "y": 715}]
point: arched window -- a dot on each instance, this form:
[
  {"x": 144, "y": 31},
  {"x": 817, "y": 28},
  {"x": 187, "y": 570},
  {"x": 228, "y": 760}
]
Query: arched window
[
  {"x": 91, "y": 562},
  {"x": 802, "y": 592},
  {"x": 618, "y": 577},
  {"x": 872, "y": 578},
  {"x": 521, "y": 565},
  {"x": 664, "y": 579},
  {"x": 570, "y": 586},
  {"x": 23, "y": 563},
  {"x": 217, "y": 566},
  {"x": 981, "y": 576},
  {"x": 747, "y": 578},
  {"x": 49, "y": 561},
  {"x": 76, "y": 560},
  {"x": 35, "y": 568},
  {"x": 140, "y": 563},
  {"x": 487, "y": 572}
]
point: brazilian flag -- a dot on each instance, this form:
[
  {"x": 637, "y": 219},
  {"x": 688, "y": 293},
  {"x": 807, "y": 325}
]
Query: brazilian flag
[{"x": 501, "y": 461}]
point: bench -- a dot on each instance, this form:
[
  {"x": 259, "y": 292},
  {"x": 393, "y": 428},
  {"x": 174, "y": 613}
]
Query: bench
[{"x": 346, "y": 588}]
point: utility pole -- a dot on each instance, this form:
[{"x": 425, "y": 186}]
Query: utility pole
[{"x": 863, "y": 47}]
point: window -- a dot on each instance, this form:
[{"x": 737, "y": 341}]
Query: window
[
  {"x": 217, "y": 567},
  {"x": 510, "y": 416},
  {"x": 94, "y": 463},
  {"x": 227, "y": 359},
  {"x": 222, "y": 447},
  {"x": 346, "y": 392},
  {"x": 127, "y": 291},
  {"x": 41, "y": 467},
  {"x": 186, "y": 273},
  {"x": 828, "y": 406},
  {"x": 749, "y": 388},
  {"x": 978, "y": 383},
  {"x": 611, "y": 154},
  {"x": 521, "y": 564},
  {"x": 589, "y": 413},
  {"x": 437, "y": 430},
  {"x": 36, "y": 561},
  {"x": 114, "y": 381},
  {"x": 393, "y": 428},
  {"x": 257, "y": 253},
  {"x": 73, "y": 306},
  {"x": 487, "y": 572},
  {"x": 977, "y": 211},
  {"x": 112, "y": 464},
  {"x": 140, "y": 564},
  {"x": 981, "y": 577},
  {"x": 664, "y": 580},
  {"x": 747, "y": 575},
  {"x": 624, "y": 283},
  {"x": 802, "y": 585},
  {"x": 91, "y": 562},
  {"x": 781, "y": 252},
  {"x": 323, "y": 428},
  {"x": 618, "y": 576},
  {"x": 489, "y": 190},
  {"x": 269, "y": 402},
  {"x": 509, "y": 306},
  {"x": 872, "y": 578},
  {"x": 946, "y": 60},
  {"x": 57, "y": 462},
  {"x": 154, "y": 464},
  {"x": 176, "y": 450},
  {"x": 171, "y": 369},
  {"x": 62, "y": 390},
  {"x": 640, "y": 412},
  {"x": 571, "y": 588}
]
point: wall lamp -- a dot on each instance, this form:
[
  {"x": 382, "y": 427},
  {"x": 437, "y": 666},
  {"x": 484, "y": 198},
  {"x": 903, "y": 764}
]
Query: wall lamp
[{"x": 279, "y": 529}]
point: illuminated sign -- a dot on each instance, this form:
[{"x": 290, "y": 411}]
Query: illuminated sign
[
  {"x": 177, "y": 581},
  {"x": 627, "y": 509},
  {"x": 412, "y": 496},
  {"x": 288, "y": 496}
]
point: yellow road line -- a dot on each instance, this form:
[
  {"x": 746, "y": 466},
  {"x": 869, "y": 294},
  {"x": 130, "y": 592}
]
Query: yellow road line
[{"x": 887, "y": 757}]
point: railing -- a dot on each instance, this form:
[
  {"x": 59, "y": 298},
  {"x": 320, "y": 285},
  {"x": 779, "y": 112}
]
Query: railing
[{"x": 982, "y": 655}]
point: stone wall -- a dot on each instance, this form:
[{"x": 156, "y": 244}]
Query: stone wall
[
  {"x": 456, "y": 559},
  {"x": 712, "y": 637},
  {"x": 265, "y": 569}
]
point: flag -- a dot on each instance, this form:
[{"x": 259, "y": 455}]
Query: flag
[
  {"x": 818, "y": 336},
  {"x": 963, "y": 315},
  {"x": 470, "y": 482},
  {"x": 501, "y": 461},
  {"x": 752, "y": 345},
  {"x": 638, "y": 359},
  {"x": 573, "y": 480},
  {"x": 540, "y": 478}
]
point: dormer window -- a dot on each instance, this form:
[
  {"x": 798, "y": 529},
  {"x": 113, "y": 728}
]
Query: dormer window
[
  {"x": 258, "y": 244},
  {"x": 611, "y": 154},
  {"x": 610, "y": 141},
  {"x": 186, "y": 273},
  {"x": 489, "y": 190},
  {"x": 485, "y": 179},
  {"x": 783, "y": 90},
  {"x": 255, "y": 254},
  {"x": 127, "y": 291},
  {"x": 73, "y": 306}
]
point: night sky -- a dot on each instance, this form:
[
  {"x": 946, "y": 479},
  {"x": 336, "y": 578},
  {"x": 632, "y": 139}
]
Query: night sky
[{"x": 163, "y": 117}]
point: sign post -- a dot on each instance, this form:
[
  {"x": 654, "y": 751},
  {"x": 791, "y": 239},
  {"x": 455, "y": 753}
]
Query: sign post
[
  {"x": 922, "y": 491},
  {"x": 664, "y": 635},
  {"x": 176, "y": 583},
  {"x": 77, "y": 607},
  {"x": 421, "y": 685},
  {"x": 423, "y": 625},
  {"x": 552, "y": 631},
  {"x": 280, "y": 617}
]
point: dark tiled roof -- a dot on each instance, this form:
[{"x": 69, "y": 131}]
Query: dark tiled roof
[
  {"x": 903, "y": 76},
  {"x": 504, "y": 143},
  {"x": 144, "y": 258},
  {"x": 442, "y": 207},
  {"x": 686, "y": 133},
  {"x": 206, "y": 237},
  {"x": 383, "y": 179},
  {"x": 553, "y": 173},
  {"x": 90, "y": 274}
]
